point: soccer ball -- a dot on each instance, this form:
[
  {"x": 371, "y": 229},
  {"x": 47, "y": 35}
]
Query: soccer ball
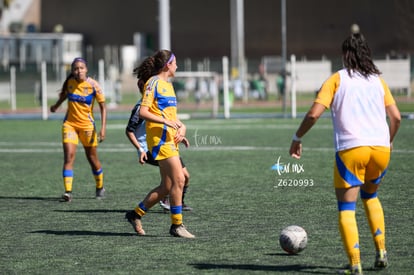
[{"x": 293, "y": 239}]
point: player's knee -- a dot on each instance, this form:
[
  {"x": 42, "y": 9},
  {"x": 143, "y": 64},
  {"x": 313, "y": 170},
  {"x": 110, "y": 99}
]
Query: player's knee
[
  {"x": 180, "y": 180},
  {"x": 346, "y": 206},
  {"x": 367, "y": 195},
  {"x": 369, "y": 187}
]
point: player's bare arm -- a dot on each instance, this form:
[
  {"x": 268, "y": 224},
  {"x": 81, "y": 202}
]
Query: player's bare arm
[
  {"x": 62, "y": 97},
  {"x": 310, "y": 119},
  {"x": 144, "y": 113},
  {"x": 394, "y": 119},
  {"x": 102, "y": 132}
]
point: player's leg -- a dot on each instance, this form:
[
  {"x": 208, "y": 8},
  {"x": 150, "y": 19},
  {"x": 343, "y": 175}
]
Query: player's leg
[
  {"x": 89, "y": 139},
  {"x": 347, "y": 199},
  {"x": 172, "y": 173},
  {"x": 164, "y": 202},
  {"x": 376, "y": 170},
  {"x": 154, "y": 196},
  {"x": 186, "y": 184},
  {"x": 349, "y": 173},
  {"x": 70, "y": 142},
  {"x": 97, "y": 171}
]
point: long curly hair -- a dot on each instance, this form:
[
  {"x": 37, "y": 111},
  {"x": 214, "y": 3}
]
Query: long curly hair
[
  {"x": 151, "y": 66},
  {"x": 356, "y": 56}
]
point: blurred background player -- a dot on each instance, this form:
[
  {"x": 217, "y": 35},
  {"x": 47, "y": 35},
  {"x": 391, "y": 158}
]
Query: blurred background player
[
  {"x": 164, "y": 132},
  {"x": 79, "y": 124},
  {"x": 136, "y": 133},
  {"x": 360, "y": 102}
]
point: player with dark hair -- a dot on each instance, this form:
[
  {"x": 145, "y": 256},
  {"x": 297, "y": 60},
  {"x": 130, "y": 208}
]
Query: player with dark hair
[
  {"x": 360, "y": 101},
  {"x": 136, "y": 133},
  {"x": 164, "y": 132},
  {"x": 81, "y": 92}
]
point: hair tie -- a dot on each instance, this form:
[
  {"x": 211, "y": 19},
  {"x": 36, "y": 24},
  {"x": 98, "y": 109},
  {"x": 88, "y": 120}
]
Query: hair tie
[
  {"x": 170, "y": 59},
  {"x": 78, "y": 59}
]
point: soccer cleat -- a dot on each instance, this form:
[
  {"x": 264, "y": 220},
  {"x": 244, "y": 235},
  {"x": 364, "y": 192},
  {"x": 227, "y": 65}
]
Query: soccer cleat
[
  {"x": 67, "y": 196},
  {"x": 352, "y": 270},
  {"x": 381, "y": 259},
  {"x": 180, "y": 231},
  {"x": 186, "y": 207},
  {"x": 135, "y": 221},
  {"x": 165, "y": 204},
  {"x": 100, "y": 193}
]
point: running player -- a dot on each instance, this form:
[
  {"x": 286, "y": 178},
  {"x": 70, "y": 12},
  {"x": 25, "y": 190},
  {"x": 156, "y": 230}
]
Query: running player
[
  {"x": 79, "y": 124},
  {"x": 164, "y": 132},
  {"x": 360, "y": 101},
  {"x": 136, "y": 133}
]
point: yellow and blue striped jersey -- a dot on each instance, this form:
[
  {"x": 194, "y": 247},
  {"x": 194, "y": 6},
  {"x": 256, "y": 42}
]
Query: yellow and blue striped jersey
[
  {"x": 81, "y": 97},
  {"x": 160, "y": 98}
]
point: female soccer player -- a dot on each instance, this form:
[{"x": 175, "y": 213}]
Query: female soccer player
[
  {"x": 359, "y": 101},
  {"x": 164, "y": 132},
  {"x": 136, "y": 133},
  {"x": 79, "y": 124}
]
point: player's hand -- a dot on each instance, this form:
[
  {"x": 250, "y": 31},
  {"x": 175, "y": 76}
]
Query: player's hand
[
  {"x": 295, "y": 149},
  {"x": 53, "y": 108},
  {"x": 101, "y": 136},
  {"x": 178, "y": 138},
  {"x": 185, "y": 142},
  {"x": 173, "y": 124},
  {"x": 143, "y": 158}
]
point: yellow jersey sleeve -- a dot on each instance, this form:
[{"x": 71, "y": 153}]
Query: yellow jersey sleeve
[
  {"x": 99, "y": 96},
  {"x": 328, "y": 90},
  {"x": 149, "y": 93},
  {"x": 388, "y": 98}
]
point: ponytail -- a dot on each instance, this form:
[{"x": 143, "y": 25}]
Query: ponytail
[{"x": 151, "y": 66}]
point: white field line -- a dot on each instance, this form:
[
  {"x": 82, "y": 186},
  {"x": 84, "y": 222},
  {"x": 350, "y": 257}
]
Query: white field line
[
  {"x": 230, "y": 127},
  {"x": 28, "y": 147},
  {"x": 248, "y": 126}
]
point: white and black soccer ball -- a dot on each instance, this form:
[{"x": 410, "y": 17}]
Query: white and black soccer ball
[{"x": 293, "y": 239}]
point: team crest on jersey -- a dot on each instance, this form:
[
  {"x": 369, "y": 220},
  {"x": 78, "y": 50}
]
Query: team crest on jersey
[{"x": 85, "y": 90}]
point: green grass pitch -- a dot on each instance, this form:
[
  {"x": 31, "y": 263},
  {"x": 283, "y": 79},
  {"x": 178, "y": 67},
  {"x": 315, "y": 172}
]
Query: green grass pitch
[{"x": 240, "y": 203}]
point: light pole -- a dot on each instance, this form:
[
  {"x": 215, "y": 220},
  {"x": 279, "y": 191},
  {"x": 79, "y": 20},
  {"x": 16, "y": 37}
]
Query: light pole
[
  {"x": 284, "y": 55},
  {"x": 164, "y": 24},
  {"x": 237, "y": 43}
]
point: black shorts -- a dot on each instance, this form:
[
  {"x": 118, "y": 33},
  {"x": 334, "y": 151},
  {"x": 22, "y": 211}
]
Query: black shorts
[{"x": 152, "y": 161}]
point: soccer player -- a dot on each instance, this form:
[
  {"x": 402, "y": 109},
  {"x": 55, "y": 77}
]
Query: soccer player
[
  {"x": 360, "y": 101},
  {"x": 164, "y": 132},
  {"x": 136, "y": 133},
  {"x": 81, "y": 92}
]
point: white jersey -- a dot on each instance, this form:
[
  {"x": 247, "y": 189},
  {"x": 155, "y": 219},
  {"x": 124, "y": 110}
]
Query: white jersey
[{"x": 358, "y": 109}]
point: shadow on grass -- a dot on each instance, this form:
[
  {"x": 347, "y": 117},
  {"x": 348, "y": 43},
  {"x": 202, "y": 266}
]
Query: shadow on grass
[
  {"x": 87, "y": 233},
  {"x": 31, "y": 198},
  {"x": 92, "y": 211},
  {"x": 274, "y": 268},
  {"x": 106, "y": 211}
]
